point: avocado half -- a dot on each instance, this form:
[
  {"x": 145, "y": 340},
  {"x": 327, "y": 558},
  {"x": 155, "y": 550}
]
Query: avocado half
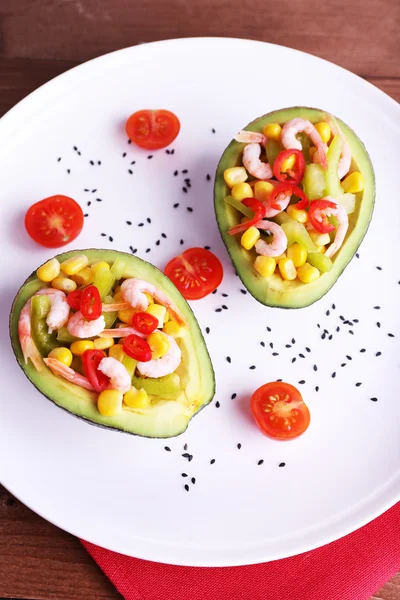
[
  {"x": 275, "y": 291},
  {"x": 167, "y": 417}
]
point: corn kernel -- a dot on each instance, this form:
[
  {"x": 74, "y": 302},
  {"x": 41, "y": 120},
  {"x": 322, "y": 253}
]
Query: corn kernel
[
  {"x": 84, "y": 276},
  {"x": 103, "y": 343},
  {"x": 126, "y": 315},
  {"x": 64, "y": 355},
  {"x": 319, "y": 239},
  {"x": 72, "y": 265},
  {"x": 159, "y": 344},
  {"x": 250, "y": 237},
  {"x": 278, "y": 258},
  {"x": 240, "y": 191},
  {"x": 172, "y": 328},
  {"x": 353, "y": 183},
  {"x": 80, "y": 346},
  {"x": 118, "y": 297},
  {"x": 321, "y": 249},
  {"x": 101, "y": 265},
  {"x": 64, "y": 284},
  {"x": 265, "y": 265},
  {"x": 287, "y": 269},
  {"x": 307, "y": 273},
  {"x": 235, "y": 175},
  {"x": 158, "y": 312},
  {"x": 262, "y": 190},
  {"x": 288, "y": 163},
  {"x": 311, "y": 151},
  {"x": 324, "y": 131},
  {"x": 136, "y": 398},
  {"x": 297, "y": 214},
  {"x": 298, "y": 254},
  {"x": 117, "y": 352},
  {"x": 272, "y": 131},
  {"x": 49, "y": 271},
  {"x": 150, "y": 299},
  {"x": 109, "y": 402}
]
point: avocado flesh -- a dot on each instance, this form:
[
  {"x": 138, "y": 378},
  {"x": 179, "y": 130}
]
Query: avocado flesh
[
  {"x": 275, "y": 291},
  {"x": 165, "y": 417}
]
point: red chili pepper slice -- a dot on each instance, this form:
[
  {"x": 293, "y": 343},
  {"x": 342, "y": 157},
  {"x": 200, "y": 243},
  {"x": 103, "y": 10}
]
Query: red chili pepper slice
[
  {"x": 287, "y": 189},
  {"x": 322, "y": 225},
  {"x": 90, "y": 362},
  {"x": 259, "y": 213},
  {"x": 137, "y": 348},
  {"x": 294, "y": 175},
  {"x": 144, "y": 322},
  {"x": 91, "y": 306},
  {"x": 74, "y": 299}
]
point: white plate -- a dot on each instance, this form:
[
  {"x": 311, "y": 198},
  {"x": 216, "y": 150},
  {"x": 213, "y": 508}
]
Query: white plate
[{"x": 127, "y": 493}]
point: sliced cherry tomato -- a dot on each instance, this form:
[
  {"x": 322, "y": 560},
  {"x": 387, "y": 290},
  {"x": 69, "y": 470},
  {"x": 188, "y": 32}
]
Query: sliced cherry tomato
[
  {"x": 196, "y": 273},
  {"x": 280, "y": 411},
  {"x": 90, "y": 362},
  {"x": 287, "y": 189},
  {"x": 259, "y": 213},
  {"x": 137, "y": 348},
  {"x": 54, "y": 221},
  {"x": 91, "y": 306},
  {"x": 144, "y": 322},
  {"x": 74, "y": 299},
  {"x": 320, "y": 222},
  {"x": 296, "y": 173},
  {"x": 152, "y": 129}
]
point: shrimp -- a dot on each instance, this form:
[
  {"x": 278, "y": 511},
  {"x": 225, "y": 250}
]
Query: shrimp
[
  {"x": 340, "y": 213},
  {"x": 58, "y": 368},
  {"x": 56, "y": 318},
  {"x": 297, "y": 125},
  {"x": 133, "y": 292},
  {"x": 282, "y": 200},
  {"x": 278, "y": 244},
  {"x": 119, "y": 377},
  {"x": 344, "y": 161},
  {"x": 253, "y": 164},
  {"x": 250, "y": 137},
  {"x": 79, "y": 327},
  {"x": 159, "y": 367},
  {"x": 120, "y": 332}
]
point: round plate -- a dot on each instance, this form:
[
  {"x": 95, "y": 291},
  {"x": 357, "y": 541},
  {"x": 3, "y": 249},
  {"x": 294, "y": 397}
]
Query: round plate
[{"x": 127, "y": 493}]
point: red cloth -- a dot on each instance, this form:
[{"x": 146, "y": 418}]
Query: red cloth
[{"x": 352, "y": 568}]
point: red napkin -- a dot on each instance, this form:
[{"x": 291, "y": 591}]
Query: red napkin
[{"x": 352, "y": 568}]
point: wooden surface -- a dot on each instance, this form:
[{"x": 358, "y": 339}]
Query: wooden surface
[{"x": 40, "y": 39}]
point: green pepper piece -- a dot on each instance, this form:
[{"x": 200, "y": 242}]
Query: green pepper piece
[
  {"x": 283, "y": 217},
  {"x": 305, "y": 142},
  {"x": 129, "y": 364},
  {"x": 247, "y": 212},
  {"x": 296, "y": 232},
  {"x": 77, "y": 366},
  {"x": 104, "y": 281},
  {"x": 314, "y": 182},
  {"x": 272, "y": 148},
  {"x": 64, "y": 336},
  {"x": 118, "y": 268},
  {"x": 169, "y": 384},
  {"x": 44, "y": 341},
  {"x": 320, "y": 261},
  {"x": 332, "y": 181}
]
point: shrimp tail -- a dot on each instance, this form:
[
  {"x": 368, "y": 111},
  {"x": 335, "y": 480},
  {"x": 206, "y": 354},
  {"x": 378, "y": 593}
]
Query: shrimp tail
[
  {"x": 248, "y": 137},
  {"x": 30, "y": 351},
  {"x": 116, "y": 306},
  {"x": 58, "y": 368}
]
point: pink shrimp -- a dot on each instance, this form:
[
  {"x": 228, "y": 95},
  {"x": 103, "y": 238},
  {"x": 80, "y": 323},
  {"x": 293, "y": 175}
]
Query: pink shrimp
[
  {"x": 340, "y": 213},
  {"x": 253, "y": 164},
  {"x": 278, "y": 244},
  {"x": 297, "y": 125},
  {"x": 116, "y": 371},
  {"x": 133, "y": 291},
  {"x": 58, "y": 368},
  {"x": 121, "y": 332},
  {"x": 80, "y": 327},
  {"x": 250, "y": 137}
]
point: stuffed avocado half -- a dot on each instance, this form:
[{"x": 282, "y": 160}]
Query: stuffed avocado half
[
  {"x": 294, "y": 195},
  {"x": 108, "y": 337}
]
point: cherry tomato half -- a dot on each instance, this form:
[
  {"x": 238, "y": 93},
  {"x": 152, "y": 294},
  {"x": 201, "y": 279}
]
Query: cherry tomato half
[
  {"x": 91, "y": 305},
  {"x": 280, "y": 411},
  {"x": 137, "y": 348},
  {"x": 144, "y": 322},
  {"x": 196, "y": 273},
  {"x": 90, "y": 362},
  {"x": 54, "y": 221},
  {"x": 74, "y": 299},
  {"x": 152, "y": 129}
]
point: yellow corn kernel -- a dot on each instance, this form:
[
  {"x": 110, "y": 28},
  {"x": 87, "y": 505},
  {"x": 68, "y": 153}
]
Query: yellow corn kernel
[
  {"x": 298, "y": 215},
  {"x": 319, "y": 239},
  {"x": 235, "y": 175},
  {"x": 250, "y": 237},
  {"x": 265, "y": 265},
  {"x": 109, "y": 402},
  {"x": 84, "y": 276},
  {"x": 353, "y": 183},
  {"x": 136, "y": 398},
  {"x": 64, "y": 355},
  {"x": 288, "y": 163},
  {"x": 126, "y": 315},
  {"x": 311, "y": 151},
  {"x": 321, "y": 249},
  {"x": 117, "y": 352},
  {"x": 172, "y": 328},
  {"x": 307, "y": 273},
  {"x": 118, "y": 297},
  {"x": 287, "y": 269},
  {"x": 324, "y": 131},
  {"x": 103, "y": 343},
  {"x": 101, "y": 265},
  {"x": 49, "y": 271},
  {"x": 80, "y": 346},
  {"x": 158, "y": 343},
  {"x": 240, "y": 191},
  {"x": 158, "y": 312},
  {"x": 272, "y": 131},
  {"x": 150, "y": 299},
  {"x": 298, "y": 254},
  {"x": 262, "y": 190},
  {"x": 72, "y": 265},
  {"x": 64, "y": 284}
]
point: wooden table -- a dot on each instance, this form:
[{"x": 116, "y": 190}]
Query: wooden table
[{"x": 40, "y": 39}]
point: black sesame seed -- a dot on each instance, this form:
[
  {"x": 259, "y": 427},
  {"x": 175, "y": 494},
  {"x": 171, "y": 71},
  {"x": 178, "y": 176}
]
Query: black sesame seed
[
  {"x": 167, "y": 448},
  {"x": 374, "y": 399},
  {"x": 185, "y": 447},
  {"x": 133, "y": 250},
  {"x": 124, "y": 154},
  {"x": 148, "y": 250},
  {"x": 262, "y": 344},
  {"x": 331, "y": 336},
  {"x": 130, "y": 171},
  {"x": 184, "y": 474},
  {"x": 208, "y": 177},
  {"x": 288, "y": 346},
  {"x": 150, "y": 156},
  {"x": 233, "y": 396},
  {"x": 184, "y": 171},
  {"x": 212, "y": 461},
  {"x": 213, "y": 130},
  {"x": 68, "y": 171},
  {"x": 319, "y": 326},
  {"x": 58, "y": 159},
  {"x": 193, "y": 480},
  {"x": 172, "y": 151},
  {"x": 275, "y": 354},
  {"x": 391, "y": 335},
  {"x": 308, "y": 349},
  {"x": 269, "y": 329},
  {"x": 341, "y": 317},
  {"x": 214, "y": 291},
  {"x": 293, "y": 341},
  {"x": 148, "y": 220},
  {"x": 279, "y": 379},
  {"x": 244, "y": 292},
  {"x": 184, "y": 190},
  {"x": 378, "y": 324},
  {"x": 189, "y": 209},
  {"x": 163, "y": 235},
  {"x": 317, "y": 388},
  {"x": 224, "y": 307},
  {"x": 363, "y": 350},
  {"x": 190, "y": 457},
  {"x": 92, "y": 163},
  {"x": 294, "y": 360},
  {"x": 103, "y": 234},
  {"x": 75, "y": 148},
  {"x": 252, "y": 367},
  {"x": 239, "y": 446},
  {"x": 358, "y": 383},
  {"x": 271, "y": 344},
  {"x": 129, "y": 141},
  {"x": 333, "y": 306},
  {"x": 129, "y": 222},
  {"x": 98, "y": 162},
  {"x": 328, "y": 312},
  {"x": 99, "y": 200},
  {"x": 379, "y": 268},
  {"x": 225, "y": 295},
  {"x": 228, "y": 358},
  {"x": 323, "y": 336},
  {"x": 167, "y": 152},
  {"x": 110, "y": 238},
  {"x": 334, "y": 375},
  {"x": 218, "y": 310},
  {"x": 86, "y": 190},
  {"x": 377, "y": 307},
  {"x": 207, "y": 330},
  {"x": 348, "y": 357},
  {"x": 378, "y": 353},
  {"x": 282, "y": 464},
  {"x": 207, "y": 247},
  {"x": 338, "y": 329},
  {"x": 86, "y": 215},
  {"x": 301, "y": 355},
  {"x": 176, "y": 204},
  {"x": 343, "y": 364},
  {"x": 260, "y": 462},
  {"x": 186, "y": 487},
  {"x": 140, "y": 224},
  {"x": 315, "y": 368},
  {"x": 217, "y": 404},
  {"x": 133, "y": 162},
  {"x": 185, "y": 455},
  {"x": 358, "y": 256},
  {"x": 89, "y": 203},
  {"x": 175, "y": 173},
  {"x": 302, "y": 381}
]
